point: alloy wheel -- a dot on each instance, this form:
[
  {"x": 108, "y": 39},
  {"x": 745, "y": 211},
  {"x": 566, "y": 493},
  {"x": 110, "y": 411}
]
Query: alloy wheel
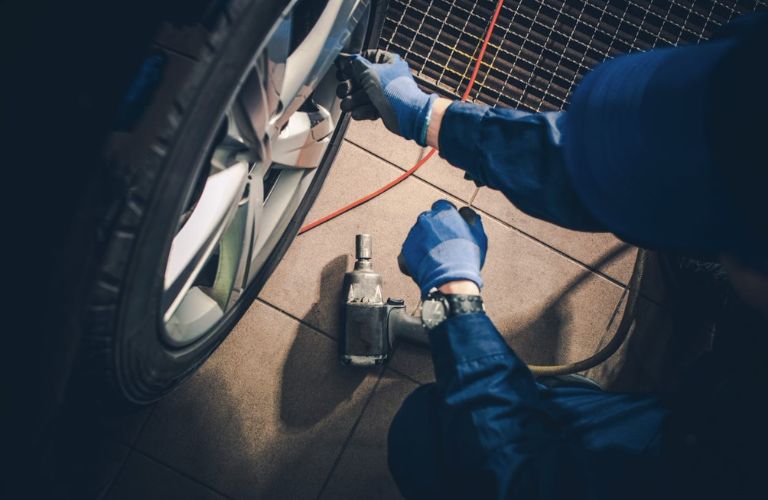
[{"x": 274, "y": 137}]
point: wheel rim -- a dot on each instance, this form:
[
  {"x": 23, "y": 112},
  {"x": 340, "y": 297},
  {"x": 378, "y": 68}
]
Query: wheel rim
[{"x": 275, "y": 135}]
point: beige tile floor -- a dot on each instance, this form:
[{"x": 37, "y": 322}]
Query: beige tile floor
[{"x": 273, "y": 415}]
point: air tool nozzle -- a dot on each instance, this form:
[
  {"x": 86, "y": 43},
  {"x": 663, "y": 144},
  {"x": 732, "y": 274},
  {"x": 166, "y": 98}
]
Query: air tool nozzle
[{"x": 363, "y": 246}]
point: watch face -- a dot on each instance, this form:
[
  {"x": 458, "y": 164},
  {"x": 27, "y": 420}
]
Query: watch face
[{"x": 433, "y": 312}]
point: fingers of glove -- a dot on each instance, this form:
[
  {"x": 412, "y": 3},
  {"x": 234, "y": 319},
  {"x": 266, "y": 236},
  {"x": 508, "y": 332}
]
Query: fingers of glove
[
  {"x": 440, "y": 205},
  {"x": 391, "y": 64},
  {"x": 378, "y": 56},
  {"x": 355, "y": 100},
  {"x": 469, "y": 215},
  {"x": 345, "y": 88},
  {"x": 358, "y": 65},
  {"x": 475, "y": 224},
  {"x": 402, "y": 264},
  {"x": 442, "y": 223},
  {"x": 445, "y": 222},
  {"x": 343, "y": 66},
  {"x": 433, "y": 220},
  {"x": 367, "y": 112}
]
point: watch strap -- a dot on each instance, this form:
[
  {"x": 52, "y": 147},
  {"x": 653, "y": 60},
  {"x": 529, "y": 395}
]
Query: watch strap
[{"x": 463, "y": 304}]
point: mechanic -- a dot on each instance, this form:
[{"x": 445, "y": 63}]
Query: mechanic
[{"x": 657, "y": 148}]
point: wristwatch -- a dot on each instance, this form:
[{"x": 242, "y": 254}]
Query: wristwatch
[{"x": 439, "y": 306}]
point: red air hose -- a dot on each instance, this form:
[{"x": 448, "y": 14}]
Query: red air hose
[
  {"x": 430, "y": 153},
  {"x": 633, "y": 287}
]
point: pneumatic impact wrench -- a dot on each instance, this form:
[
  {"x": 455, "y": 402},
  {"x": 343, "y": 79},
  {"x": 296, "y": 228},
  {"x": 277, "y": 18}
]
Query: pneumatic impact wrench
[{"x": 371, "y": 324}]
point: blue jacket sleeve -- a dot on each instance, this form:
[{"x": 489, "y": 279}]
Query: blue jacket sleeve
[
  {"x": 519, "y": 154},
  {"x": 651, "y": 147},
  {"x": 497, "y": 438},
  {"x": 505, "y": 436}
]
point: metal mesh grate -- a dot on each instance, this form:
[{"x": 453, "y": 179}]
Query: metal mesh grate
[{"x": 540, "y": 49}]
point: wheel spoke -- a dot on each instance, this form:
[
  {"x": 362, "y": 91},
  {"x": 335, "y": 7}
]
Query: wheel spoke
[
  {"x": 233, "y": 148},
  {"x": 198, "y": 237},
  {"x": 253, "y": 208},
  {"x": 277, "y": 51},
  {"x": 250, "y": 111},
  {"x": 259, "y": 97},
  {"x": 196, "y": 313},
  {"x": 276, "y": 213},
  {"x": 231, "y": 249},
  {"x": 314, "y": 56}
]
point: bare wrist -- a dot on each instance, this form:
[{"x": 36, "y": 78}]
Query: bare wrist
[
  {"x": 435, "y": 121},
  {"x": 463, "y": 287}
]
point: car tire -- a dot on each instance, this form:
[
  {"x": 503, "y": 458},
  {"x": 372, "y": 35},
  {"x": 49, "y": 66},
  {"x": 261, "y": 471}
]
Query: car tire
[{"x": 154, "y": 164}]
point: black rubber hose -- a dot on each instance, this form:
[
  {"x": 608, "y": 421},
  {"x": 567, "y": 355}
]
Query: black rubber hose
[{"x": 627, "y": 320}]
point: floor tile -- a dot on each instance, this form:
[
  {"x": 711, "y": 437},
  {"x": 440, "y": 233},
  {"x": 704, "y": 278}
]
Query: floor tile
[
  {"x": 374, "y": 137},
  {"x": 601, "y": 251},
  {"x": 88, "y": 467},
  {"x": 103, "y": 468},
  {"x": 266, "y": 416},
  {"x": 125, "y": 427},
  {"x": 638, "y": 364},
  {"x": 658, "y": 352},
  {"x": 93, "y": 444},
  {"x": 592, "y": 249},
  {"x": 145, "y": 479},
  {"x": 549, "y": 309},
  {"x": 445, "y": 176},
  {"x": 308, "y": 282},
  {"x": 414, "y": 362},
  {"x": 362, "y": 471}
]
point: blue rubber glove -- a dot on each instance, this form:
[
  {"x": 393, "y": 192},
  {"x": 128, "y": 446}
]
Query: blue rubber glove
[
  {"x": 379, "y": 84},
  {"x": 444, "y": 246}
]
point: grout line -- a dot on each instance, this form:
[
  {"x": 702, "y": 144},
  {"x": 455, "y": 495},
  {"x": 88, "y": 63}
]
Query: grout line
[
  {"x": 131, "y": 449},
  {"x": 505, "y": 224},
  {"x": 131, "y": 445},
  {"x": 474, "y": 195},
  {"x": 350, "y": 435},
  {"x": 118, "y": 472},
  {"x": 415, "y": 175},
  {"x": 367, "y": 402},
  {"x": 301, "y": 321},
  {"x": 558, "y": 251},
  {"x": 388, "y": 367},
  {"x": 390, "y": 162},
  {"x": 144, "y": 425},
  {"x": 317, "y": 330},
  {"x": 181, "y": 473}
]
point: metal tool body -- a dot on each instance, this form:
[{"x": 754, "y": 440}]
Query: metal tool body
[{"x": 371, "y": 324}]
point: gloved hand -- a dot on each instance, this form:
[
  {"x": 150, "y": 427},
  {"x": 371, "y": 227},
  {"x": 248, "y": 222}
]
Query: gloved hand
[
  {"x": 445, "y": 245},
  {"x": 379, "y": 84}
]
